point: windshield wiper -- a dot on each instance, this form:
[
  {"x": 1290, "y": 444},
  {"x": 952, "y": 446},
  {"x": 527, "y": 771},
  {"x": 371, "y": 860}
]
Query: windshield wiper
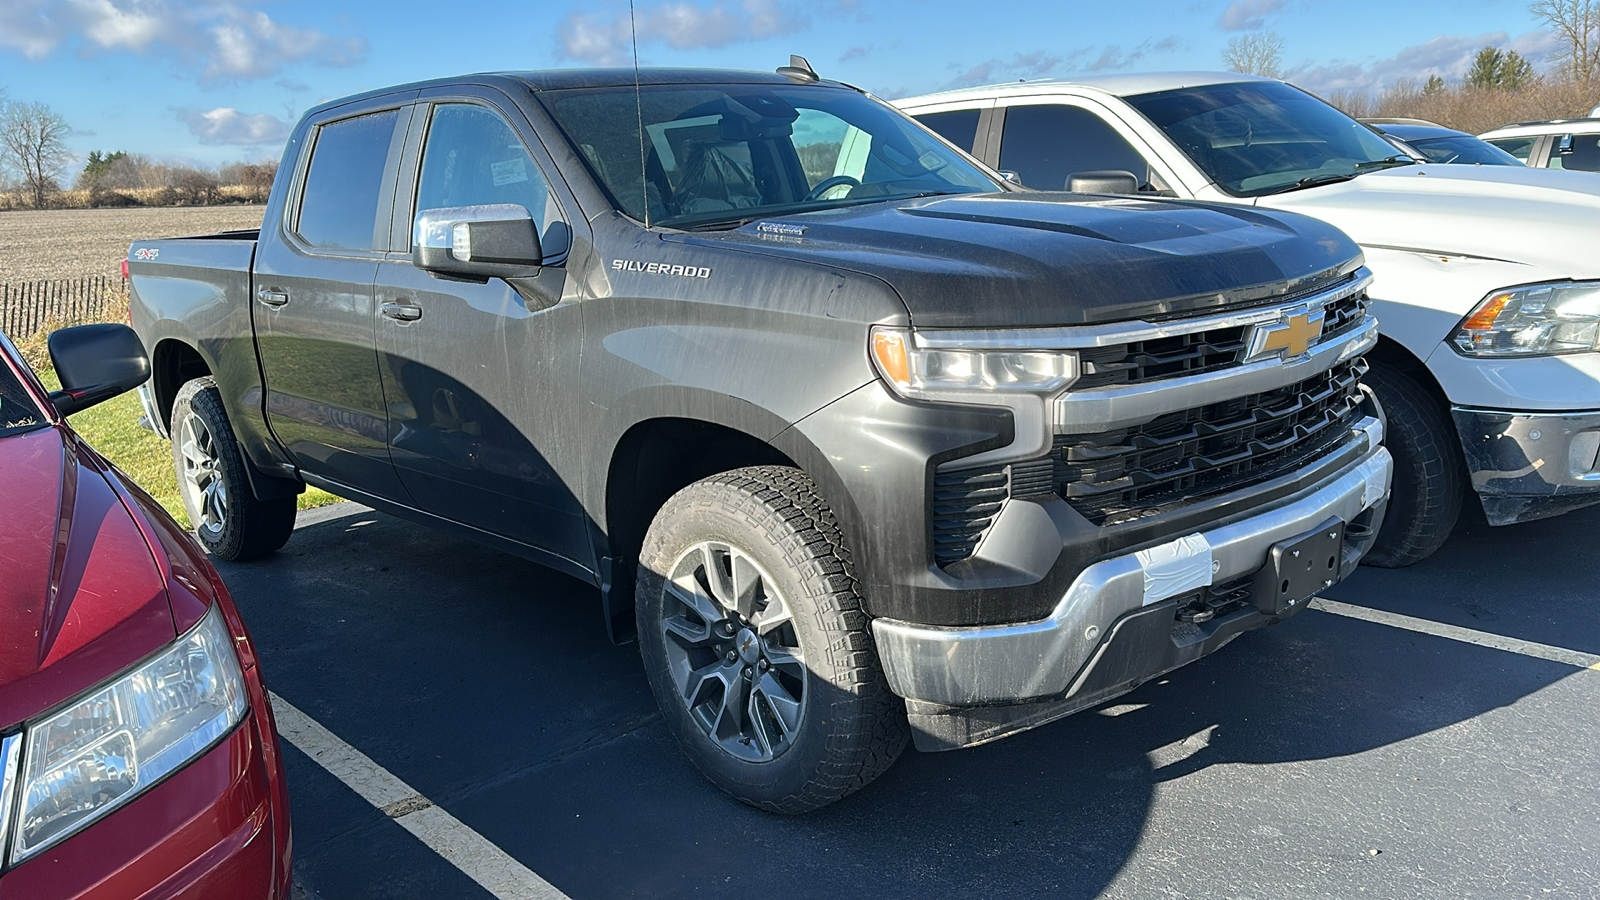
[
  {"x": 721, "y": 224},
  {"x": 1312, "y": 181},
  {"x": 1387, "y": 162}
]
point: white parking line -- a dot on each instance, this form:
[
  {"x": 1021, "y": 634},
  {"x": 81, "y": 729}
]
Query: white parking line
[
  {"x": 1466, "y": 635},
  {"x": 464, "y": 848}
]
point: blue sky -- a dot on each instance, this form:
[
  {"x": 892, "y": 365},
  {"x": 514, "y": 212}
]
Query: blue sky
[{"x": 219, "y": 80}]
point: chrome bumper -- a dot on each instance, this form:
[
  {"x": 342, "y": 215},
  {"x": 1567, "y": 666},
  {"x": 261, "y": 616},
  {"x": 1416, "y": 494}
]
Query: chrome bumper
[
  {"x": 149, "y": 421},
  {"x": 1004, "y": 663},
  {"x": 1531, "y": 465}
]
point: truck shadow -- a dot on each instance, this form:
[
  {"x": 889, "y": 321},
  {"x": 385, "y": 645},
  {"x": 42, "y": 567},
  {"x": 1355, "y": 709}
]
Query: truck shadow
[{"x": 488, "y": 685}]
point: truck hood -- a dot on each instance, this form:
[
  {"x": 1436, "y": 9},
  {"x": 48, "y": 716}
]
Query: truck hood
[
  {"x": 1538, "y": 217},
  {"x": 81, "y": 598},
  {"x": 1041, "y": 259}
]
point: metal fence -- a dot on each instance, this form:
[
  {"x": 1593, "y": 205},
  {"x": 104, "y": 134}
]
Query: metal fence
[{"x": 29, "y": 306}]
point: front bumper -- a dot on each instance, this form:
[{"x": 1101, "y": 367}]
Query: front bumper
[
  {"x": 1102, "y": 622},
  {"x": 1529, "y": 466}
]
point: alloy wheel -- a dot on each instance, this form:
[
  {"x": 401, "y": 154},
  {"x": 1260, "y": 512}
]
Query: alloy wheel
[
  {"x": 202, "y": 475},
  {"x": 733, "y": 652}
]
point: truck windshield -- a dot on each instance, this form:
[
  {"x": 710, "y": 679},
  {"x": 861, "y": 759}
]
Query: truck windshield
[
  {"x": 1464, "y": 150},
  {"x": 721, "y": 154},
  {"x": 1266, "y": 137}
]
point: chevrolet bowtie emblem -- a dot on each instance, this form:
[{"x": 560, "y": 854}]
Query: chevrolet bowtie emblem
[{"x": 1290, "y": 337}]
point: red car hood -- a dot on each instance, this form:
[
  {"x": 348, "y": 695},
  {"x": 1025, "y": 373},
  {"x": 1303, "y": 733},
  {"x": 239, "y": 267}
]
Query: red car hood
[{"x": 82, "y": 596}]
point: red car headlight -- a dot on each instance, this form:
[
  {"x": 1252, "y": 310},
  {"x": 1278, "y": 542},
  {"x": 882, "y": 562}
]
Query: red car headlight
[{"x": 111, "y": 744}]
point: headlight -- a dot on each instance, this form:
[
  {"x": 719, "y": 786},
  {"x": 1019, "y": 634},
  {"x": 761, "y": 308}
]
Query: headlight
[
  {"x": 968, "y": 375},
  {"x": 110, "y": 745},
  {"x": 1538, "y": 320}
]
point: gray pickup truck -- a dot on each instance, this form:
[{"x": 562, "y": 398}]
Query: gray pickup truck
[{"x": 858, "y": 442}]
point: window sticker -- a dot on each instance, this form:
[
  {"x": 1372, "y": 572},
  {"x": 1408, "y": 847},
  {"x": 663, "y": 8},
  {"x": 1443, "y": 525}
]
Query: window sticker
[{"x": 509, "y": 171}]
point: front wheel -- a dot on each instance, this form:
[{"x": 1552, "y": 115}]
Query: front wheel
[
  {"x": 1429, "y": 473},
  {"x": 229, "y": 520},
  {"x": 756, "y": 646}
]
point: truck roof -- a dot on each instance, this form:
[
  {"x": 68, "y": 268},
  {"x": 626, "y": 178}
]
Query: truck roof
[
  {"x": 563, "y": 79},
  {"x": 1120, "y": 85}
]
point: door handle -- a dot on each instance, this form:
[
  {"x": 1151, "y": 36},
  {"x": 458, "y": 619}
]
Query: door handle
[
  {"x": 272, "y": 298},
  {"x": 403, "y": 312}
]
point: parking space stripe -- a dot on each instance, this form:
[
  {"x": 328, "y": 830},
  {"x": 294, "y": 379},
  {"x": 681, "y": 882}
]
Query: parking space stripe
[
  {"x": 462, "y": 847},
  {"x": 1466, "y": 635}
]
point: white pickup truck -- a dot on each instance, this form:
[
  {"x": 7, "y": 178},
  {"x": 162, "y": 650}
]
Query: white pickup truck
[{"x": 1487, "y": 288}]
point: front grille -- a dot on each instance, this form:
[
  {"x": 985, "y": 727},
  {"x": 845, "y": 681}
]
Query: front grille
[
  {"x": 1122, "y": 475},
  {"x": 1141, "y": 362}
]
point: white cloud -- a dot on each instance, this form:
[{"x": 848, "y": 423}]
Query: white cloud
[
  {"x": 1247, "y": 15},
  {"x": 226, "y": 125},
  {"x": 1114, "y": 57},
  {"x": 607, "y": 40},
  {"x": 226, "y": 40},
  {"x": 1448, "y": 56}
]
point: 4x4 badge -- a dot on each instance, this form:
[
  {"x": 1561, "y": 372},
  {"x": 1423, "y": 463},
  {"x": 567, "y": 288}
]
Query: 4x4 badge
[{"x": 1290, "y": 337}]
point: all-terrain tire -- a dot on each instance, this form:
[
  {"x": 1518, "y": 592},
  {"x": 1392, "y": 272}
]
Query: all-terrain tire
[
  {"x": 851, "y": 728},
  {"x": 1429, "y": 472},
  {"x": 236, "y": 525}
]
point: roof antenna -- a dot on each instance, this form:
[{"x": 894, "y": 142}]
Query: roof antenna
[
  {"x": 798, "y": 68},
  {"x": 638, "y": 106}
]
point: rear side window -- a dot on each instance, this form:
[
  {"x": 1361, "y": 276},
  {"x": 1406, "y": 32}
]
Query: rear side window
[
  {"x": 1520, "y": 147},
  {"x": 1577, "y": 152},
  {"x": 339, "y": 205},
  {"x": 473, "y": 158},
  {"x": 1046, "y": 145},
  {"x": 958, "y": 126}
]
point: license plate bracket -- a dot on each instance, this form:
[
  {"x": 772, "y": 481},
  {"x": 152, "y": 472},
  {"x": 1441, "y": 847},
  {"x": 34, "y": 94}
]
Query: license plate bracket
[{"x": 1298, "y": 568}]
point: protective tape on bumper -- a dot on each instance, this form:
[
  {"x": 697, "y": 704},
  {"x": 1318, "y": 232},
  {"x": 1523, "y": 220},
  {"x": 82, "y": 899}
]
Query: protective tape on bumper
[{"x": 1175, "y": 567}]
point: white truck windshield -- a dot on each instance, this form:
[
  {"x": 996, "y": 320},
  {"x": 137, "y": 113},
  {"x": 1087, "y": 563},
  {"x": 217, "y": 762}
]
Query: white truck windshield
[
  {"x": 1265, "y": 137},
  {"x": 714, "y": 154}
]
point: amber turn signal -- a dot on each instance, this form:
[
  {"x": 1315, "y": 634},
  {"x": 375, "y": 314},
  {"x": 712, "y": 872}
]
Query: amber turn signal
[
  {"x": 889, "y": 351},
  {"x": 1484, "y": 318}
]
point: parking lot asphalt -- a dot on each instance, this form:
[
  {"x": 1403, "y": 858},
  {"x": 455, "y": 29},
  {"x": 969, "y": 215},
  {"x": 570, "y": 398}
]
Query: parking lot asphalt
[{"x": 1325, "y": 757}]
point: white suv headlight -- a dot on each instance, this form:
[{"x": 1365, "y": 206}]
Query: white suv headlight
[
  {"x": 1537, "y": 320},
  {"x": 113, "y": 743}
]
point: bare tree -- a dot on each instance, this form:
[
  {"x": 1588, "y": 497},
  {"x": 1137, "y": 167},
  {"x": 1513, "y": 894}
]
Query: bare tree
[
  {"x": 33, "y": 140},
  {"x": 1260, "y": 53},
  {"x": 1577, "y": 23}
]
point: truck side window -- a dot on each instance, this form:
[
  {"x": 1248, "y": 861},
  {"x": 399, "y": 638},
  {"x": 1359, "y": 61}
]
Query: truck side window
[
  {"x": 339, "y": 205},
  {"x": 1578, "y": 152},
  {"x": 473, "y": 158},
  {"x": 1048, "y": 144},
  {"x": 958, "y": 126}
]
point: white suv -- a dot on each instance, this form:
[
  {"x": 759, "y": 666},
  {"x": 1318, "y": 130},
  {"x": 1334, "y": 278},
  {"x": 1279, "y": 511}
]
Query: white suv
[
  {"x": 1487, "y": 286},
  {"x": 1571, "y": 144}
]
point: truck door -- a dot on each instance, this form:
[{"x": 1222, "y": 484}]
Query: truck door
[
  {"x": 313, "y": 307},
  {"x": 480, "y": 378}
]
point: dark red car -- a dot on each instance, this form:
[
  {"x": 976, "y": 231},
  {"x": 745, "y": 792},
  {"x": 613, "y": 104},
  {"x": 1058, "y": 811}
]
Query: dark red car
[{"x": 138, "y": 756}]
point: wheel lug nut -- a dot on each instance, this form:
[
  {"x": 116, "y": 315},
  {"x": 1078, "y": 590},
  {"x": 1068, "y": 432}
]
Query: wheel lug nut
[
  {"x": 732, "y": 656},
  {"x": 763, "y": 665}
]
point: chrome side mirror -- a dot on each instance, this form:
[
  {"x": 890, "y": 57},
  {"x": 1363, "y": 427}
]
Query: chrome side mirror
[{"x": 499, "y": 240}]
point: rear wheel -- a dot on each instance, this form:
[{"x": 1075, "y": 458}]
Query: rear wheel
[
  {"x": 756, "y": 646},
  {"x": 229, "y": 520},
  {"x": 1429, "y": 472}
]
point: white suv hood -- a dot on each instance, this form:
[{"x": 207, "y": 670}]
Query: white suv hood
[{"x": 1539, "y": 217}]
